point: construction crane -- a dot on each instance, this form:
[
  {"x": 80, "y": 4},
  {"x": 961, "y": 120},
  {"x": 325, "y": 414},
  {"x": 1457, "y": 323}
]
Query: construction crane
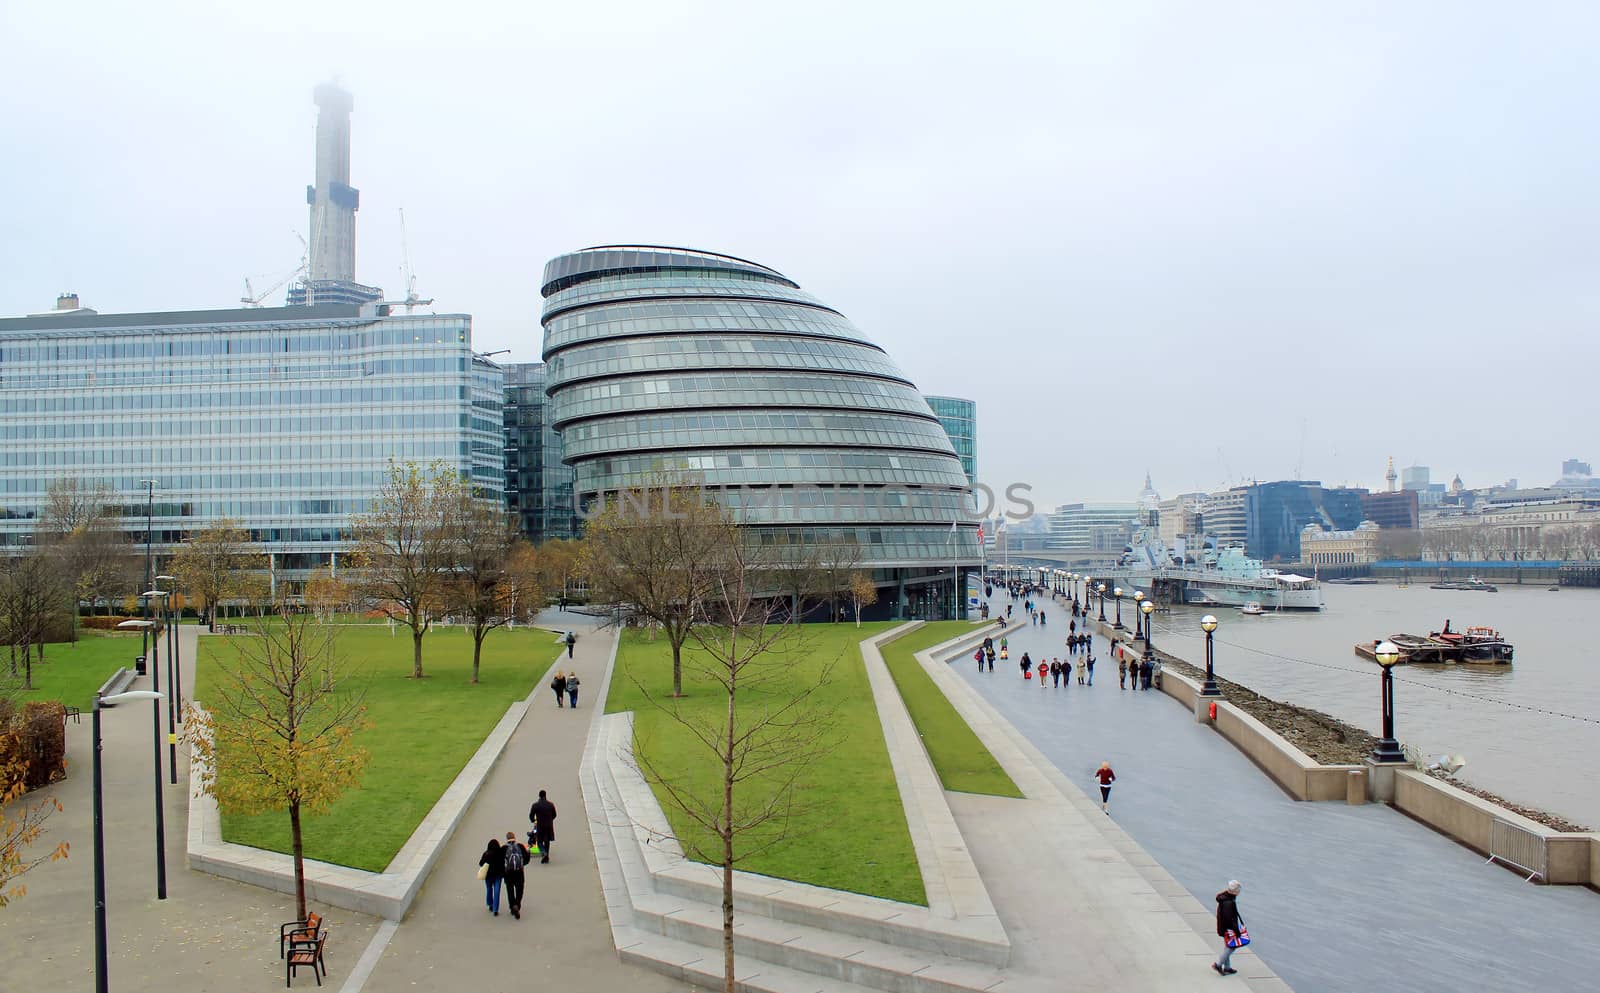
[
  {"x": 253, "y": 299},
  {"x": 412, "y": 300}
]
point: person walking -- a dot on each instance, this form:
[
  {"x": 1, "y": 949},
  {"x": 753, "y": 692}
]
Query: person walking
[
  {"x": 1146, "y": 671},
  {"x": 516, "y": 857},
  {"x": 1055, "y": 672},
  {"x": 563, "y": 602},
  {"x": 572, "y": 639},
  {"x": 493, "y": 861},
  {"x": 1041, "y": 618},
  {"x": 1230, "y": 928},
  {"x": 1122, "y": 668},
  {"x": 558, "y": 683},
  {"x": 572, "y": 690},
  {"x": 1106, "y": 778},
  {"x": 1027, "y": 666},
  {"x": 1083, "y": 667},
  {"x": 977, "y": 657},
  {"x": 1090, "y": 664},
  {"x": 543, "y": 816}
]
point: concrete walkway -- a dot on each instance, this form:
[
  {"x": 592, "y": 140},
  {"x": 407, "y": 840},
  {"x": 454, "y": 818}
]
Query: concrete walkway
[
  {"x": 1337, "y": 898},
  {"x": 449, "y": 942}
]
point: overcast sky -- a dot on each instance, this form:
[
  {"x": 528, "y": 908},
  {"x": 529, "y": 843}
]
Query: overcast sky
[{"x": 1215, "y": 240}]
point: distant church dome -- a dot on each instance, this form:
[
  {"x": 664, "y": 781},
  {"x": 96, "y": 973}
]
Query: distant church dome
[{"x": 1456, "y": 485}]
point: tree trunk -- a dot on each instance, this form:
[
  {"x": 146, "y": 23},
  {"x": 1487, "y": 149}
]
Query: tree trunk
[
  {"x": 416, "y": 652},
  {"x": 677, "y": 667},
  {"x": 477, "y": 650},
  {"x": 27, "y": 666},
  {"x": 726, "y": 830},
  {"x": 299, "y": 861}
]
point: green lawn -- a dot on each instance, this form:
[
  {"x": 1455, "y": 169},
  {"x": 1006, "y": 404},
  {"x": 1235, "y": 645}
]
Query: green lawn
[
  {"x": 423, "y": 733},
  {"x": 964, "y": 765},
  {"x": 72, "y": 671},
  {"x": 851, "y": 832}
]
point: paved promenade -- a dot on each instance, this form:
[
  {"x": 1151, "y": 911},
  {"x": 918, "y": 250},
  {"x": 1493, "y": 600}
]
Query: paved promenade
[
  {"x": 1337, "y": 898},
  {"x": 449, "y": 942}
]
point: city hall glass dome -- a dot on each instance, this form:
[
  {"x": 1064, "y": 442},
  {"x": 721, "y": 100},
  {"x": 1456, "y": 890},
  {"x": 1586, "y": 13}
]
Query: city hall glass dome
[{"x": 676, "y": 362}]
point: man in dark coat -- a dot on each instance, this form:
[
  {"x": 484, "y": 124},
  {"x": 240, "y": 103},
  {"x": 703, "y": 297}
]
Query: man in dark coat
[
  {"x": 543, "y": 816},
  {"x": 1227, "y": 922}
]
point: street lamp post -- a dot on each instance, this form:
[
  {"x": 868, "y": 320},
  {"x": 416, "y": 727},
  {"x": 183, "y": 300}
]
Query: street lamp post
[
  {"x": 149, "y": 554},
  {"x": 100, "y": 978},
  {"x": 155, "y": 724},
  {"x": 160, "y": 596},
  {"x": 174, "y": 649},
  {"x": 1388, "y": 749},
  {"x": 1148, "y": 608},
  {"x": 1117, "y": 593},
  {"x": 1101, "y": 589},
  {"x": 1138, "y": 622},
  {"x": 1208, "y": 624}
]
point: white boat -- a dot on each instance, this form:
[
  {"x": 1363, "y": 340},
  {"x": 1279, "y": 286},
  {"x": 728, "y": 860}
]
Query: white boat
[
  {"x": 1251, "y": 609},
  {"x": 1226, "y": 578}
]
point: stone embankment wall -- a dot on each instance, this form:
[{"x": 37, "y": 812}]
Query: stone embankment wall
[{"x": 1261, "y": 728}]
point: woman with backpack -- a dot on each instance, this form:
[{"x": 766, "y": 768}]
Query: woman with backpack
[
  {"x": 492, "y": 869},
  {"x": 515, "y": 858}
]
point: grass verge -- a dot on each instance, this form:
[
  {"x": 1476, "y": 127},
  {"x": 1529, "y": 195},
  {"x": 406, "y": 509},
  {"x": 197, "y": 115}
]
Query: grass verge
[
  {"x": 850, "y": 832},
  {"x": 963, "y": 763},
  {"x": 423, "y": 732},
  {"x": 72, "y": 671}
]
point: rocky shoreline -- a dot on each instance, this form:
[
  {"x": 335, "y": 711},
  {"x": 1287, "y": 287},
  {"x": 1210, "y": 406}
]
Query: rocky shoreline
[{"x": 1331, "y": 741}]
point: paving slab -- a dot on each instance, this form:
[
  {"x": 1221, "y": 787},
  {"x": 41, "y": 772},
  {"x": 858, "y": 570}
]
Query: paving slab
[{"x": 1337, "y": 897}]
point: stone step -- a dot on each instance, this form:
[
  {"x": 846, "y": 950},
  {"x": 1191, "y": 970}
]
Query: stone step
[
  {"x": 647, "y": 865},
  {"x": 832, "y": 955},
  {"x": 702, "y": 967}
]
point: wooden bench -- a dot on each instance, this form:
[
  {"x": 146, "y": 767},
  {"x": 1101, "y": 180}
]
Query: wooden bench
[{"x": 306, "y": 952}]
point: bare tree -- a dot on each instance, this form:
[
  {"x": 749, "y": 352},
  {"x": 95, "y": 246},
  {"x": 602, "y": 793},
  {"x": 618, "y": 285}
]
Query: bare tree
[
  {"x": 660, "y": 550},
  {"x": 523, "y": 588},
  {"x": 478, "y": 588},
  {"x": 33, "y": 597},
  {"x": 766, "y": 738},
  {"x": 277, "y": 733},
  {"x": 405, "y": 547},
  {"x": 80, "y": 527},
  {"x": 217, "y": 564}
]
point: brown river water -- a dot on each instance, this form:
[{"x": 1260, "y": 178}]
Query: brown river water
[{"x": 1529, "y": 731}]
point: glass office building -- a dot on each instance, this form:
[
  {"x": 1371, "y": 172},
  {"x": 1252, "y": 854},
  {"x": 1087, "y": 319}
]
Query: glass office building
[
  {"x": 960, "y": 420},
  {"x": 1277, "y": 512},
  {"x": 284, "y": 419},
  {"x": 538, "y": 483},
  {"x": 676, "y": 361}
]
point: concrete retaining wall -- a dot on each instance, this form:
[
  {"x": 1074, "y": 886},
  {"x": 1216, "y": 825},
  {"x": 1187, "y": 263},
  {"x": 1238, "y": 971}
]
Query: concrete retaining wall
[
  {"x": 1569, "y": 858},
  {"x": 1289, "y": 767}
]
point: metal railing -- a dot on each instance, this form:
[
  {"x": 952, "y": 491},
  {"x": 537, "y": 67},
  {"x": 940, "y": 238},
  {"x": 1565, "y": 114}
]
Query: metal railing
[{"x": 1517, "y": 847}]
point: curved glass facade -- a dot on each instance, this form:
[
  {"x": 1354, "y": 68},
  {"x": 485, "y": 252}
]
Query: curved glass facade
[{"x": 674, "y": 360}]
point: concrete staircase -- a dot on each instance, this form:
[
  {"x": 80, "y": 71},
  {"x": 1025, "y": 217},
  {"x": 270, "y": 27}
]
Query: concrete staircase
[{"x": 666, "y": 914}]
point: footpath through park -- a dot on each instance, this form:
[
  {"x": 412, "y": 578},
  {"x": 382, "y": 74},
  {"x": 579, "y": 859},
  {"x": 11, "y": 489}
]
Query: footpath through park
[
  {"x": 1336, "y": 897},
  {"x": 449, "y": 942}
]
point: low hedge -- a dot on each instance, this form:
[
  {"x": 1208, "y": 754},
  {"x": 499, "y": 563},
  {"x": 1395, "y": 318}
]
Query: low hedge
[{"x": 33, "y": 742}]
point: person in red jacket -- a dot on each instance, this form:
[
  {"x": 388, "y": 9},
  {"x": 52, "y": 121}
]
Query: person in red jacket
[{"x": 1106, "y": 777}]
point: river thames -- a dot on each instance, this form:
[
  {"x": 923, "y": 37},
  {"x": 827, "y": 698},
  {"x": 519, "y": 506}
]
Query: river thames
[{"x": 1528, "y": 731}]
